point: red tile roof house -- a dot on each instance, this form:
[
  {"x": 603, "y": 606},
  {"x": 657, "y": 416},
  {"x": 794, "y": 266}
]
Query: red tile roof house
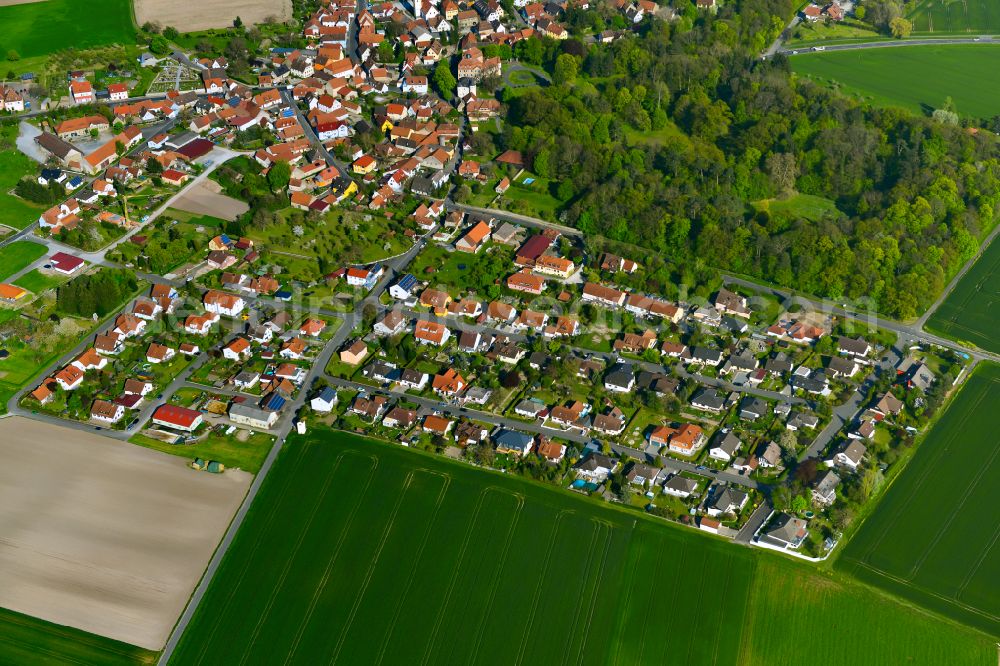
[
  {"x": 526, "y": 282},
  {"x": 177, "y": 418},
  {"x": 431, "y": 332},
  {"x": 69, "y": 378},
  {"x": 117, "y": 92},
  {"x": 222, "y": 303},
  {"x": 174, "y": 177},
  {"x": 312, "y": 327},
  {"x": 106, "y": 412},
  {"x": 81, "y": 92},
  {"x": 157, "y": 353},
  {"x": 237, "y": 350}
]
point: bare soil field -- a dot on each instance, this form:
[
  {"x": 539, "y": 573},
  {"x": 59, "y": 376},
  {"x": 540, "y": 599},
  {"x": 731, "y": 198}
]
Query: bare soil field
[
  {"x": 191, "y": 17},
  {"x": 206, "y": 198},
  {"x": 8, "y": 3},
  {"x": 105, "y": 536}
]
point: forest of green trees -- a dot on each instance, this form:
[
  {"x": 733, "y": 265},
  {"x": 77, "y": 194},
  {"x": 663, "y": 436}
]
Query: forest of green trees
[
  {"x": 665, "y": 139},
  {"x": 100, "y": 293}
]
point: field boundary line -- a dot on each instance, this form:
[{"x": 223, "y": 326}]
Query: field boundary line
[
  {"x": 951, "y": 517},
  {"x": 59, "y": 658},
  {"x": 85, "y": 638},
  {"x": 458, "y": 566},
  {"x": 373, "y": 563},
  {"x": 937, "y": 595},
  {"x": 288, "y": 563},
  {"x": 596, "y": 588},
  {"x": 416, "y": 561},
  {"x": 270, "y": 515},
  {"x": 979, "y": 563},
  {"x": 304, "y": 623},
  {"x": 496, "y": 577},
  {"x": 546, "y": 563},
  {"x": 587, "y": 568}
]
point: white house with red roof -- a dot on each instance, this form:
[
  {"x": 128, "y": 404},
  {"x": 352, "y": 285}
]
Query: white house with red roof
[
  {"x": 117, "y": 92},
  {"x": 81, "y": 92},
  {"x": 66, "y": 264}
]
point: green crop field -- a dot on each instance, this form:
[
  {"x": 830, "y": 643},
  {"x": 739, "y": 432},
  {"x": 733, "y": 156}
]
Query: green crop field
[
  {"x": 40, "y": 28},
  {"x": 799, "y": 611},
  {"x": 15, "y": 212},
  {"x": 931, "y": 539},
  {"x": 947, "y": 16},
  {"x": 918, "y": 78},
  {"x": 971, "y": 312},
  {"x": 17, "y": 256},
  {"x": 29, "y": 641},
  {"x": 361, "y": 552}
]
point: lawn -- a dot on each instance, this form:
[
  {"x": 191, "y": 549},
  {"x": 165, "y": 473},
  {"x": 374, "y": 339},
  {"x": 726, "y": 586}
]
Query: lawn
[
  {"x": 18, "y": 255},
  {"x": 917, "y": 78},
  {"x": 15, "y": 212},
  {"x": 799, "y": 206},
  {"x": 532, "y": 198},
  {"x": 37, "y": 283},
  {"x": 841, "y": 32},
  {"x": 28, "y": 640},
  {"x": 358, "y": 551},
  {"x": 30, "y": 29},
  {"x": 971, "y": 312},
  {"x": 228, "y": 450},
  {"x": 931, "y": 540}
]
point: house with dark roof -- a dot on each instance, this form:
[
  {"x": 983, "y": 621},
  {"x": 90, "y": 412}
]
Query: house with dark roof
[
  {"x": 620, "y": 378},
  {"x": 725, "y": 447},
  {"x": 596, "y": 467},
  {"x": 785, "y": 531},
  {"x": 726, "y": 500},
  {"x": 679, "y": 486},
  {"x": 709, "y": 400},
  {"x": 640, "y": 473},
  {"x": 513, "y": 442}
]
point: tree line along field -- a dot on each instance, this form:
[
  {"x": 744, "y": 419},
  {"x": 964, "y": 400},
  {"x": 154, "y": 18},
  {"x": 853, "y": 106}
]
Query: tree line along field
[
  {"x": 918, "y": 78},
  {"x": 41, "y": 28},
  {"x": 931, "y": 540},
  {"x": 357, "y": 551},
  {"x": 947, "y": 16},
  {"x": 971, "y": 312}
]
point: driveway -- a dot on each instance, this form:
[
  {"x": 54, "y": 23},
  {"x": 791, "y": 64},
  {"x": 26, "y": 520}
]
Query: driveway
[{"x": 26, "y": 142}]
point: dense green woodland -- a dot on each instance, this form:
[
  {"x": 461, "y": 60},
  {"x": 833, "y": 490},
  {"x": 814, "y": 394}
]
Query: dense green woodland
[
  {"x": 664, "y": 140},
  {"x": 96, "y": 293}
]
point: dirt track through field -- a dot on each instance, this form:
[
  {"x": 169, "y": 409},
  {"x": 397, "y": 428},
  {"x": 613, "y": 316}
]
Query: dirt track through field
[
  {"x": 102, "y": 535},
  {"x": 189, "y": 17}
]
